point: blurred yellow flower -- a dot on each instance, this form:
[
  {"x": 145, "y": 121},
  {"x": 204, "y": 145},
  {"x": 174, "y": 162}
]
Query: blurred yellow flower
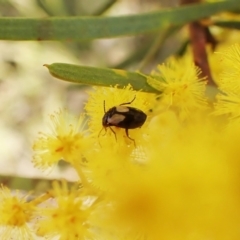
[
  {"x": 184, "y": 190},
  {"x": 66, "y": 216},
  {"x": 133, "y": 205},
  {"x": 17, "y": 214}
]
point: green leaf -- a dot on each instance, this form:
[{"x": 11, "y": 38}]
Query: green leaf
[
  {"x": 228, "y": 24},
  {"x": 99, "y": 76},
  {"x": 85, "y": 28}
]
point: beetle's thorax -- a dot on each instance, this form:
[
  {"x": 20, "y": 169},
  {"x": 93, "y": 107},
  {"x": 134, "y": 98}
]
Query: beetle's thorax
[{"x": 107, "y": 116}]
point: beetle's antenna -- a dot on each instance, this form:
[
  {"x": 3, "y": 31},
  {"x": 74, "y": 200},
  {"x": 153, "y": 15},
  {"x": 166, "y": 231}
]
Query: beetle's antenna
[
  {"x": 129, "y": 102},
  {"x": 126, "y": 130},
  {"x": 113, "y": 133},
  {"x": 101, "y": 131},
  {"x": 104, "y": 108}
]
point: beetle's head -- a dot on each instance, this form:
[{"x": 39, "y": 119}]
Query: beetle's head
[{"x": 105, "y": 121}]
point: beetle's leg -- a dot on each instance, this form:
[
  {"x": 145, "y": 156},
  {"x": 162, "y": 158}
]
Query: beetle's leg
[
  {"x": 113, "y": 133},
  {"x": 106, "y": 132},
  {"x": 126, "y": 130},
  {"x": 128, "y": 102},
  {"x": 103, "y": 135}
]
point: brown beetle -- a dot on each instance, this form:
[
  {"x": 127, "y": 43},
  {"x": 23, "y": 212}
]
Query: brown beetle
[{"x": 123, "y": 117}]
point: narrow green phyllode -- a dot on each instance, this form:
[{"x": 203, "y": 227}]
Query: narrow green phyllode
[{"x": 99, "y": 76}]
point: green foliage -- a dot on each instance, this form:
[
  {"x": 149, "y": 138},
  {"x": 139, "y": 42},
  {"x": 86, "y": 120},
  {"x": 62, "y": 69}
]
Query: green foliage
[
  {"x": 99, "y": 76},
  {"x": 86, "y": 28}
]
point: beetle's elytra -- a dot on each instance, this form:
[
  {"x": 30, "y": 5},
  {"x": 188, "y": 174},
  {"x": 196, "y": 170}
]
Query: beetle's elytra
[{"x": 123, "y": 117}]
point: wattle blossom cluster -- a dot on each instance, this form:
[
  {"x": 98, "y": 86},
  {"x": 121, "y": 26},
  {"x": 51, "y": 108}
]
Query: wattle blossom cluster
[{"x": 179, "y": 181}]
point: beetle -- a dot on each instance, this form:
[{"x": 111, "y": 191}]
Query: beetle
[{"x": 123, "y": 117}]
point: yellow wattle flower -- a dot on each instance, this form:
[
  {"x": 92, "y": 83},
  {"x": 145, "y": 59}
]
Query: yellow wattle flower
[
  {"x": 228, "y": 101},
  {"x": 67, "y": 216},
  {"x": 181, "y": 87},
  {"x": 230, "y": 63},
  {"x": 67, "y": 141},
  {"x": 17, "y": 214}
]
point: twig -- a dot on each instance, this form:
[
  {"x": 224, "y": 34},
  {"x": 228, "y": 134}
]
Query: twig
[{"x": 199, "y": 37}]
